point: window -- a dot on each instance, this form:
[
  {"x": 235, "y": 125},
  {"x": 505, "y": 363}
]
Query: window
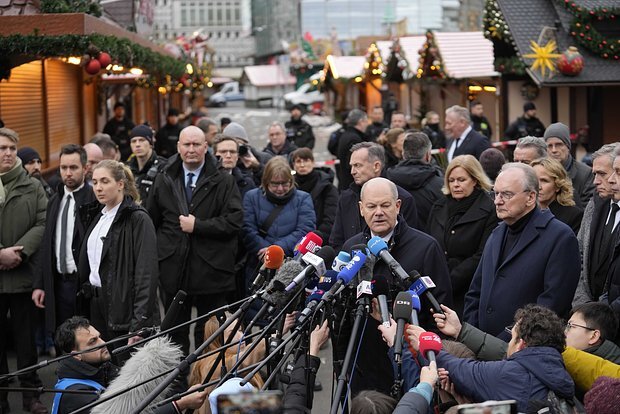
[
  {"x": 219, "y": 17},
  {"x": 228, "y": 16},
  {"x": 183, "y": 17}
]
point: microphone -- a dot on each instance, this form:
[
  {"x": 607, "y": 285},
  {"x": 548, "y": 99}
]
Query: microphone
[
  {"x": 324, "y": 285},
  {"x": 173, "y": 311},
  {"x": 273, "y": 260},
  {"x": 341, "y": 261},
  {"x": 379, "y": 248},
  {"x": 346, "y": 274},
  {"x": 402, "y": 313},
  {"x": 415, "y": 307},
  {"x": 316, "y": 264},
  {"x": 430, "y": 345},
  {"x": 380, "y": 289},
  {"x": 311, "y": 242},
  {"x": 421, "y": 285}
]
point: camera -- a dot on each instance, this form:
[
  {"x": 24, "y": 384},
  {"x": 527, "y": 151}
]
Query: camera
[{"x": 243, "y": 150}]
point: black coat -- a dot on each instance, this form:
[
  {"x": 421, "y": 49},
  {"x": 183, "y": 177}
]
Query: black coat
[
  {"x": 349, "y": 220},
  {"x": 349, "y": 137},
  {"x": 119, "y": 132},
  {"x": 300, "y": 133},
  {"x": 423, "y": 181},
  {"x": 570, "y": 215},
  {"x": 166, "y": 140},
  {"x": 129, "y": 275},
  {"x": 583, "y": 181},
  {"x": 481, "y": 125},
  {"x": 474, "y": 144},
  {"x": 523, "y": 127},
  {"x": 463, "y": 242},
  {"x": 47, "y": 274},
  {"x": 414, "y": 250},
  {"x": 325, "y": 199},
  {"x": 297, "y": 399},
  {"x": 284, "y": 152},
  {"x": 145, "y": 177},
  {"x": 204, "y": 260}
]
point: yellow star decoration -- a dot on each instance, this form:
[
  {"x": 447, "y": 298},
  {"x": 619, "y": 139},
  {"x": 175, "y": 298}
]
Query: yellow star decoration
[{"x": 543, "y": 56}]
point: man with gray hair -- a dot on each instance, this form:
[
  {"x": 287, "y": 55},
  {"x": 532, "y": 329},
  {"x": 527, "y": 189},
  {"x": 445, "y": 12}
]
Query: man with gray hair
[
  {"x": 278, "y": 144},
  {"x": 354, "y": 133},
  {"x": 595, "y": 254},
  {"x": 463, "y": 138},
  {"x": 529, "y": 149},
  {"x": 22, "y": 214},
  {"x": 531, "y": 257},
  {"x": 416, "y": 174},
  {"x": 367, "y": 161},
  {"x": 414, "y": 250}
]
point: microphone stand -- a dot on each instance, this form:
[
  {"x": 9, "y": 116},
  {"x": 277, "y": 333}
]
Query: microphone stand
[
  {"x": 120, "y": 392},
  {"x": 282, "y": 361},
  {"x": 191, "y": 358},
  {"x": 264, "y": 333},
  {"x": 41, "y": 390},
  {"x": 361, "y": 313}
]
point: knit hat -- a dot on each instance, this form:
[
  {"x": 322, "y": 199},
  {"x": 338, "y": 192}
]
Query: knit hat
[
  {"x": 27, "y": 154},
  {"x": 560, "y": 131},
  {"x": 236, "y": 130},
  {"x": 143, "y": 131},
  {"x": 604, "y": 396},
  {"x": 528, "y": 106}
]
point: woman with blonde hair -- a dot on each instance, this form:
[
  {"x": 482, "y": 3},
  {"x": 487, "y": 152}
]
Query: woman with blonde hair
[
  {"x": 462, "y": 221},
  {"x": 392, "y": 141},
  {"x": 556, "y": 192},
  {"x": 116, "y": 266}
]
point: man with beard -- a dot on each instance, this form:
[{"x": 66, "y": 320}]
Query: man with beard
[
  {"x": 298, "y": 131},
  {"x": 56, "y": 282},
  {"x": 31, "y": 161}
]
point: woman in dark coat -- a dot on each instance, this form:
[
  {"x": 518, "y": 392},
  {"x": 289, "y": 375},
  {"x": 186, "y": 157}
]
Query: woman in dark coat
[
  {"x": 392, "y": 141},
  {"x": 556, "y": 192},
  {"x": 317, "y": 183},
  {"x": 462, "y": 221},
  {"x": 117, "y": 262}
]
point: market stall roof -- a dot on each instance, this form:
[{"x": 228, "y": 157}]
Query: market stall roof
[
  {"x": 267, "y": 75},
  {"x": 345, "y": 67},
  {"x": 70, "y": 24},
  {"x": 527, "y": 18},
  {"x": 465, "y": 55}
]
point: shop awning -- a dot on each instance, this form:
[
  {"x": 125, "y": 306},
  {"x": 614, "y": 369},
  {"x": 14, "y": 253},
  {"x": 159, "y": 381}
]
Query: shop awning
[{"x": 268, "y": 75}]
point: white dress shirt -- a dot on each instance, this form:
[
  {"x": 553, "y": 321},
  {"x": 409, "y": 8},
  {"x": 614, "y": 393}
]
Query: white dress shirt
[
  {"x": 95, "y": 243},
  {"x": 71, "y": 266},
  {"x": 456, "y": 144},
  {"x": 616, "y": 217}
]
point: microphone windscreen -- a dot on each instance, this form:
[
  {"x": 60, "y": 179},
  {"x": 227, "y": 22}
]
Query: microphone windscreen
[
  {"x": 415, "y": 301},
  {"x": 402, "y": 306},
  {"x": 283, "y": 277},
  {"x": 376, "y": 244},
  {"x": 327, "y": 253},
  {"x": 429, "y": 341},
  {"x": 351, "y": 269},
  {"x": 341, "y": 261},
  {"x": 173, "y": 311},
  {"x": 311, "y": 242},
  {"x": 154, "y": 358},
  {"x": 380, "y": 286},
  {"x": 274, "y": 257}
]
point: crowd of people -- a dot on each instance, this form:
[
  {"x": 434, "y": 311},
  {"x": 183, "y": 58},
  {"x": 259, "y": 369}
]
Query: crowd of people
[{"x": 521, "y": 256}]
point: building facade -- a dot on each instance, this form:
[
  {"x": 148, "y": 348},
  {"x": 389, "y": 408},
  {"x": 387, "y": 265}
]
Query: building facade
[{"x": 275, "y": 23}]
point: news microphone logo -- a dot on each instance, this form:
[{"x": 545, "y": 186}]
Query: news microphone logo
[
  {"x": 421, "y": 285},
  {"x": 341, "y": 261},
  {"x": 375, "y": 242},
  {"x": 312, "y": 246},
  {"x": 357, "y": 258}
]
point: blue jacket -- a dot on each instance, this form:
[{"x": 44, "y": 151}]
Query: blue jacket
[
  {"x": 295, "y": 220},
  {"x": 543, "y": 268},
  {"x": 526, "y": 375}
]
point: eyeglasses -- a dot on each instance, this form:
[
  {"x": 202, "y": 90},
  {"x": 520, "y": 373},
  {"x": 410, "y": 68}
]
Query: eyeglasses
[
  {"x": 283, "y": 184},
  {"x": 508, "y": 195},
  {"x": 570, "y": 325},
  {"x": 509, "y": 329}
]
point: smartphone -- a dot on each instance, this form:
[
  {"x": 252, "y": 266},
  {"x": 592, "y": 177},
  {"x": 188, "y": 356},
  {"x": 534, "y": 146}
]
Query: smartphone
[
  {"x": 489, "y": 407},
  {"x": 263, "y": 402}
]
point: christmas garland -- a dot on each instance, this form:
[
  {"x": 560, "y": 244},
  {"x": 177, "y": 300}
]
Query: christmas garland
[
  {"x": 123, "y": 51},
  {"x": 71, "y": 6},
  {"x": 583, "y": 30}
]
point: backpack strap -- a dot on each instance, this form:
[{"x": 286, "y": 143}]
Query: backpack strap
[
  {"x": 262, "y": 230},
  {"x": 65, "y": 383}
]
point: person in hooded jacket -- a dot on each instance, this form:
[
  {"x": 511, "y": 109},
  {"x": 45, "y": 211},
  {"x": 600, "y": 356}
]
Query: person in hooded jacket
[
  {"x": 416, "y": 174},
  {"x": 462, "y": 221},
  {"x": 116, "y": 266},
  {"x": 533, "y": 366},
  {"x": 318, "y": 183}
]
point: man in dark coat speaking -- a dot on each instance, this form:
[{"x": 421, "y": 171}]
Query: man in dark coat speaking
[
  {"x": 531, "y": 257},
  {"x": 197, "y": 212},
  {"x": 414, "y": 250}
]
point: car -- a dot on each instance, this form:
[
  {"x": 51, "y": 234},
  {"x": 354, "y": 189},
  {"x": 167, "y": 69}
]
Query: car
[
  {"x": 229, "y": 92},
  {"x": 306, "y": 94}
]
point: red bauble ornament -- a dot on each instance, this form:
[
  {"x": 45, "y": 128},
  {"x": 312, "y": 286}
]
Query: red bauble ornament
[
  {"x": 104, "y": 59},
  {"x": 571, "y": 62},
  {"x": 93, "y": 67}
]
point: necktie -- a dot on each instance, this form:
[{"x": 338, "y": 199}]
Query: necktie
[
  {"x": 63, "y": 236},
  {"x": 607, "y": 242},
  {"x": 456, "y": 144},
  {"x": 609, "y": 227},
  {"x": 189, "y": 187}
]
